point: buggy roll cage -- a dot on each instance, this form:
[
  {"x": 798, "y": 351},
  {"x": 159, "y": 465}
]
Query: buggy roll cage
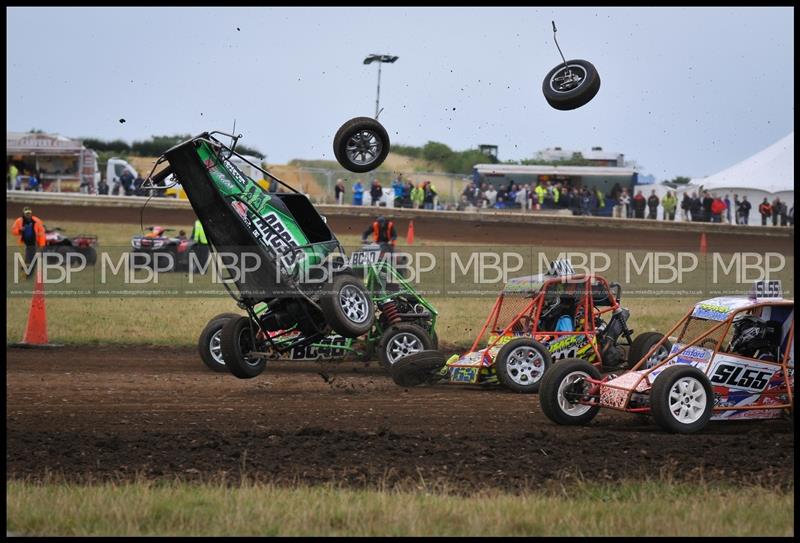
[
  {"x": 156, "y": 180},
  {"x": 532, "y": 311},
  {"x": 723, "y": 325}
]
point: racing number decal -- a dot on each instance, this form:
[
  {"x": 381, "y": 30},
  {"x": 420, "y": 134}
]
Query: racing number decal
[{"x": 740, "y": 376}]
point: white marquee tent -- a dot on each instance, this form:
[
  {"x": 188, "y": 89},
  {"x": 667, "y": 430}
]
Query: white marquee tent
[{"x": 768, "y": 173}]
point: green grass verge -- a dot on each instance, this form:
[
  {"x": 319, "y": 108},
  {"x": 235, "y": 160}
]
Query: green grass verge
[{"x": 173, "y": 509}]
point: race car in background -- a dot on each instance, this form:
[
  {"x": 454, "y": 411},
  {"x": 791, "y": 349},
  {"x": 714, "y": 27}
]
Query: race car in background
[
  {"x": 70, "y": 247},
  {"x": 732, "y": 359}
]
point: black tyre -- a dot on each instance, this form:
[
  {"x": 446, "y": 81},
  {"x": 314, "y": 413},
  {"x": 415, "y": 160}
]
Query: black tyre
[
  {"x": 209, "y": 344},
  {"x": 236, "y": 343},
  {"x": 642, "y": 345},
  {"x": 361, "y": 144},
  {"x": 91, "y": 255},
  {"x": 401, "y": 340},
  {"x": 417, "y": 369},
  {"x": 521, "y": 363},
  {"x": 562, "y": 387},
  {"x": 572, "y": 86},
  {"x": 348, "y": 307},
  {"x": 681, "y": 400}
]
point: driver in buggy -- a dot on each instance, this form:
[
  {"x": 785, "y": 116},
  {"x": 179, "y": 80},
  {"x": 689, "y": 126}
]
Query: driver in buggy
[{"x": 755, "y": 337}]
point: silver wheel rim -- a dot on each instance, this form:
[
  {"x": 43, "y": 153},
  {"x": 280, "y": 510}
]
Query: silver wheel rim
[
  {"x": 566, "y": 406},
  {"x": 354, "y": 304},
  {"x": 525, "y": 365},
  {"x": 363, "y": 147},
  {"x": 660, "y": 354},
  {"x": 687, "y": 400},
  {"x": 215, "y": 347},
  {"x": 568, "y": 79},
  {"x": 402, "y": 345}
]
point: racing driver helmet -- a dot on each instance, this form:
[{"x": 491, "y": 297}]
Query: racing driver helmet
[{"x": 751, "y": 335}]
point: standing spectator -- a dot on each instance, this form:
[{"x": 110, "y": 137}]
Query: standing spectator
[
  {"x": 696, "y": 209},
  {"x": 736, "y": 203},
  {"x": 782, "y": 213},
  {"x": 11, "y": 180},
  {"x": 376, "y": 192},
  {"x": 397, "y": 187},
  {"x": 669, "y": 203},
  {"x": 765, "y": 210},
  {"x": 601, "y": 199},
  {"x": 521, "y": 197},
  {"x": 686, "y": 206},
  {"x": 33, "y": 182},
  {"x": 137, "y": 186},
  {"x": 707, "y": 201},
  {"x": 201, "y": 241},
  {"x": 790, "y": 215},
  {"x": 623, "y": 204},
  {"x": 490, "y": 196},
  {"x": 717, "y": 208},
  {"x": 30, "y": 230},
  {"x": 408, "y": 186},
  {"x": 338, "y": 191},
  {"x": 429, "y": 195},
  {"x": 585, "y": 202},
  {"x": 652, "y": 205},
  {"x": 639, "y": 203},
  {"x": 358, "y": 194},
  {"x": 102, "y": 187},
  {"x": 776, "y": 210},
  {"x": 540, "y": 191},
  {"x": 727, "y": 201},
  {"x": 743, "y": 211},
  {"x": 126, "y": 181},
  {"x": 417, "y": 196}
]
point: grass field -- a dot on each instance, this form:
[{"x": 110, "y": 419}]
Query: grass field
[
  {"x": 656, "y": 508},
  {"x": 146, "y": 314}
]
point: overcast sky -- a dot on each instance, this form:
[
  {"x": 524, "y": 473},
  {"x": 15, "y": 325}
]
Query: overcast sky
[{"x": 685, "y": 91}]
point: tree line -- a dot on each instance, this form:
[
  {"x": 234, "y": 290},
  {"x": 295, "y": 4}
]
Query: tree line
[{"x": 153, "y": 146}]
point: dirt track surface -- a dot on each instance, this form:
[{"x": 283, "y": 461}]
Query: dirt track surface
[
  {"x": 109, "y": 413},
  {"x": 435, "y": 227}
]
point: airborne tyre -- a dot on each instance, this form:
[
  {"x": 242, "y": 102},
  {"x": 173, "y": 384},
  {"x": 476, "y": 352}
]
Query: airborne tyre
[
  {"x": 642, "y": 345},
  {"x": 361, "y": 144},
  {"x": 521, "y": 363},
  {"x": 558, "y": 384},
  {"x": 564, "y": 94},
  {"x": 417, "y": 368},
  {"x": 209, "y": 343},
  {"x": 401, "y": 340},
  {"x": 236, "y": 343},
  {"x": 348, "y": 307},
  {"x": 681, "y": 399}
]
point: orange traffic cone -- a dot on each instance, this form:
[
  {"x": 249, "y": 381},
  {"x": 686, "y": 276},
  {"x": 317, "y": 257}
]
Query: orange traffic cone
[
  {"x": 703, "y": 243},
  {"x": 36, "y": 330},
  {"x": 410, "y": 235}
]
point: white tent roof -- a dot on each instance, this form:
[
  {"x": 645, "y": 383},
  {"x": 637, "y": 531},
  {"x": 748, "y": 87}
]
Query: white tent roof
[{"x": 771, "y": 170}]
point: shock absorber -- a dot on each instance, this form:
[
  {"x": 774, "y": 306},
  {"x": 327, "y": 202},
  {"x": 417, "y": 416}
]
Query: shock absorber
[{"x": 389, "y": 313}]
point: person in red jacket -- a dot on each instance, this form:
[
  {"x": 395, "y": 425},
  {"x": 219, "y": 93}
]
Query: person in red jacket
[
  {"x": 718, "y": 207},
  {"x": 30, "y": 230},
  {"x": 766, "y": 211}
]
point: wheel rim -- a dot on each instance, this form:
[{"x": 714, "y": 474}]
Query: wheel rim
[
  {"x": 568, "y": 79},
  {"x": 660, "y": 354},
  {"x": 567, "y": 406},
  {"x": 354, "y": 304},
  {"x": 363, "y": 147},
  {"x": 245, "y": 346},
  {"x": 525, "y": 365},
  {"x": 402, "y": 345},
  {"x": 687, "y": 400},
  {"x": 215, "y": 347}
]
